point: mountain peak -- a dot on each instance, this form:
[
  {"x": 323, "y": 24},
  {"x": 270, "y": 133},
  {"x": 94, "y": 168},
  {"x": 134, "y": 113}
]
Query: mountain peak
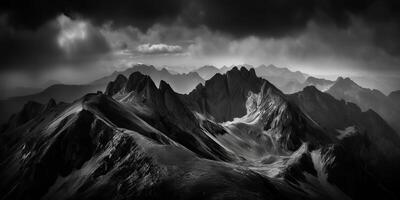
[
  {"x": 164, "y": 70},
  {"x": 345, "y": 83},
  {"x": 209, "y": 67},
  {"x": 347, "y": 79},
  {"x": 138, "y": 82},
  {"x": 164, "y": 86},
  {"x": 311, "y": 89},
  {"x": 51, "y": 104},
  {"x": 224, "y": 95},
  {"x": 115, "y": 86},
  {"x": 243, "y": 72}
]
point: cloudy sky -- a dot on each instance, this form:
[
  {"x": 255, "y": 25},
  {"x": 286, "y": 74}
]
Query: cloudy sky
[{"x": 75, "y": 41}]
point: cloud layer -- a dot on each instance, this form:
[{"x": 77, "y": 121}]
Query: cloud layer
[{"x": 159, "y": 49}]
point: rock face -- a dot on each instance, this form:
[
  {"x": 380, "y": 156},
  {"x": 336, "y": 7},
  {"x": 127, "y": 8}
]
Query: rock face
[
  {"x": 235, "y": 137},
  {"x": 346, "y": 89},
  {"x": 115, "y": 86},
  {"x": 224, "y": 96}
]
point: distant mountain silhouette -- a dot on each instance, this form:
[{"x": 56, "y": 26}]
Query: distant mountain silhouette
[
  {"x": 348, "y": 90},
  {"x": 273, "y": 71},
  {"x": 207, "y": 71},
  {"x": 320, "y": 83},
  {"x": 183, "y": 83},
  {"x": 18, "y": 91}
]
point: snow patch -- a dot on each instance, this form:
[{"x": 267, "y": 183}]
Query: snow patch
[
  {"x": 351, "y": 130},
  {"x": 319, "y": 185}
]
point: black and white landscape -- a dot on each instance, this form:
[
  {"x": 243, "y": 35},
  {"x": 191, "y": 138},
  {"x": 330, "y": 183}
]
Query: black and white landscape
[{"x": 198, "y": 99}]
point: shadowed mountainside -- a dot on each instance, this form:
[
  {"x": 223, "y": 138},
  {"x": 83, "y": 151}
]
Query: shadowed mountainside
[{"x": 348, "y": 90}]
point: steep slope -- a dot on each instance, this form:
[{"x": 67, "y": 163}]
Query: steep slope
[
  {"x": 346, "y": 89},
  {"x": 382, "y": 152}
]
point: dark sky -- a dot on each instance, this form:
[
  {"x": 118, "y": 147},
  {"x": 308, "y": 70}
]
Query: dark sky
[{"x": 46, "y": 38}]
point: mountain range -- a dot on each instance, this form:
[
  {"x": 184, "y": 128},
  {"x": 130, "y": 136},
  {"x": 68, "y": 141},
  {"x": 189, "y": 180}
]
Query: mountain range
[
  {"x": 182, "y": 83},
  {"x": 235, "y": 136},
  {"x": 287, "y": 81}
]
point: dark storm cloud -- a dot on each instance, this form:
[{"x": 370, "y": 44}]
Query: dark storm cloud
[
  {"x": 143, "y": 13},
  {"x": 280, "y": 18},
  {"x": 48, "y": 45},
  {"x": 250, "y": 17},
  {"x": 269, "y": 18}
]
